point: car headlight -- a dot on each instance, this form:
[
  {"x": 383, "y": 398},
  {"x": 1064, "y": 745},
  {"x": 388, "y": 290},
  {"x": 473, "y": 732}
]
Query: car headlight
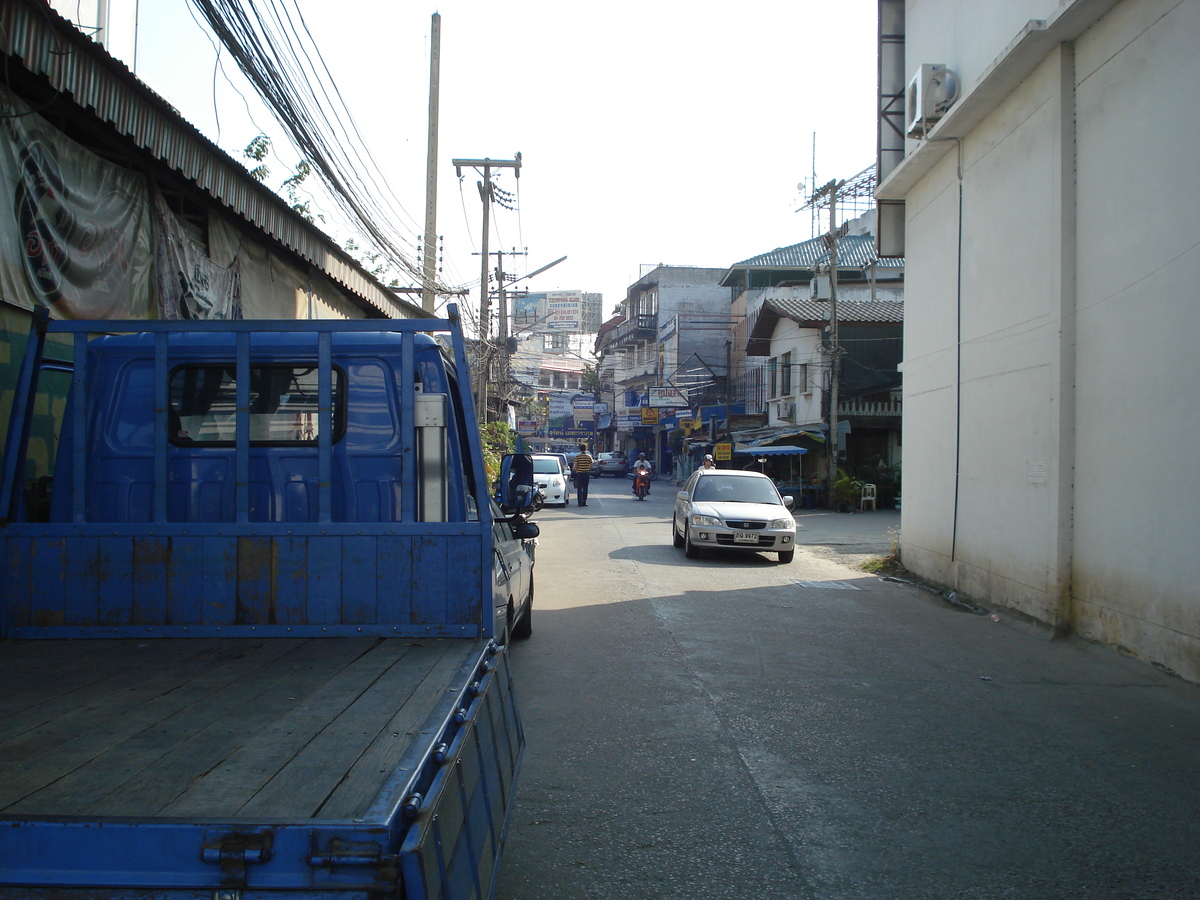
[
  {"x": 789, "y": 522},
  {"x": 711, "y": 521}
]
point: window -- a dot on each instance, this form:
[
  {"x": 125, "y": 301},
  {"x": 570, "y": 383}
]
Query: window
[
  {"x": 785, "y": 366},
  {"x": 283, "y": 404},
  {"x": 802, "y": 384},
  {"x": 772, "y": 377}
]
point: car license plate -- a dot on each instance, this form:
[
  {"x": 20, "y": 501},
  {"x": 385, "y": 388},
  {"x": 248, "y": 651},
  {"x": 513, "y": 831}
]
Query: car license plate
[{"x": 745, "y": 537}]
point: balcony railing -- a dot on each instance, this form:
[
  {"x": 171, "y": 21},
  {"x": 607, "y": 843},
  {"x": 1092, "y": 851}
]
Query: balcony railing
[
  {"x": 637, "y": 328},
  {"x": 869, "y": 408}
]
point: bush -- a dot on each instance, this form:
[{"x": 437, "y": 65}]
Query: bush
[
  {"x": 497, "y": 439},
  {"x": 847, "y": 490}
]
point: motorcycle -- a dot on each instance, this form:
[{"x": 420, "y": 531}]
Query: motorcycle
[{"x": 641, "y": 484}]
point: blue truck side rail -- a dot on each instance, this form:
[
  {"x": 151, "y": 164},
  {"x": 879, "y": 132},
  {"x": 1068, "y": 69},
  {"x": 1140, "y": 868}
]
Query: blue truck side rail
[{"x": 153, "y": 545}]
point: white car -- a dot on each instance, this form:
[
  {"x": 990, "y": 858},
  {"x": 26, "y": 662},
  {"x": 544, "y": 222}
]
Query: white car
[
  {"x": 551, "y": 479},
  {"x": 732, "y": 509}
]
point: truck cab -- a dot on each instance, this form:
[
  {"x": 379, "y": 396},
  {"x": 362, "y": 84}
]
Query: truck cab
[{"x": 285, "y": 430}]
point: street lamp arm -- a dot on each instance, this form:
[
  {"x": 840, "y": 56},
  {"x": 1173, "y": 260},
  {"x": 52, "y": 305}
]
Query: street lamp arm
[{"x": 537, "y": 271}]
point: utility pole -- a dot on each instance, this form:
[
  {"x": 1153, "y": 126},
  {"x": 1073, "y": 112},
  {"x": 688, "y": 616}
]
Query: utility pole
[
  {"x": 485, "y": 325},
  {"x": 835, "y": 365},
  {"x": 429, "y": 258},
  {"x": 861, "y": 185},
  {"x": 505, "y": 365},
  {"x": 502, "y": 288}
]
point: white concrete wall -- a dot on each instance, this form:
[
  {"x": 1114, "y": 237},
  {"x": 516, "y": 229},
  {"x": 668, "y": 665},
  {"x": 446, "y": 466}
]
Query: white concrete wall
[
  {"x": 1139, "y": 317},
  {"x": 684, "y": 294},
  {"x": 966, "y": 35},
  {"x": 790, "y": 337},
  {"x": 1074, "y": 421}
]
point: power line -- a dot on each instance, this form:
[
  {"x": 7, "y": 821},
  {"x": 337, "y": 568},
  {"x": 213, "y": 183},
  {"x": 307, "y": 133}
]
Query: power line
[{"x": 278, "y": 60}]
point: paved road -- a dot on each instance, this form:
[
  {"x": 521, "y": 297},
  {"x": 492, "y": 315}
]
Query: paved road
[{"x": 733, "y": 727}]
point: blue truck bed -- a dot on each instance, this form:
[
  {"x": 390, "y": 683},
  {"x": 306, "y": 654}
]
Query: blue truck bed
[
  {"x": 252, "y": 654},
  {"x": 152, "y": 764}
]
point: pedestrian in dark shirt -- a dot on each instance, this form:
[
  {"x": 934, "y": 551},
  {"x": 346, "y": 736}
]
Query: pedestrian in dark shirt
[{"x": 582, "y": 466}]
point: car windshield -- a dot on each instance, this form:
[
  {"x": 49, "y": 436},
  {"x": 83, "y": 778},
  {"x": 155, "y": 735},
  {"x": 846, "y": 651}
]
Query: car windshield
[
  {"x": 546, "y": 466},
  {"x": 734, "y": 489}
]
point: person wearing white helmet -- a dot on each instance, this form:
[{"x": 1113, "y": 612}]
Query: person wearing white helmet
[{"x": 709, "y": 462}]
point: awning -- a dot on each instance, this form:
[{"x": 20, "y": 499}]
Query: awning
[
  {"x": 784, "y": 450},
  {"x": 756, "y": 436}
]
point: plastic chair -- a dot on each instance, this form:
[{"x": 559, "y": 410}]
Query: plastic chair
[{"x": 868, "y": 496}]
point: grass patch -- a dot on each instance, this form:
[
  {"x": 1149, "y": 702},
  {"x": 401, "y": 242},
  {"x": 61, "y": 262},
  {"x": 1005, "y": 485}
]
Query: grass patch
[{"x": 888, "y": 564}]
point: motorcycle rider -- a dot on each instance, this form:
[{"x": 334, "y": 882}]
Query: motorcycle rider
[{"x": 641, "y": 469}]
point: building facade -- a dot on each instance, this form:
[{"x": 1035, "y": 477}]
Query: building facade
[
  {"x": 671, "y": 331},
  {"x": 788, "y": 273},
  {"x": 1050, "y": 416}
]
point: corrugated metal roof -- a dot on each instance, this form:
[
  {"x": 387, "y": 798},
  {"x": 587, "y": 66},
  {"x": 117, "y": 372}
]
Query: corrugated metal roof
[
  {"x": 98, "y": 82},
  {"x": 853, "y": 311},
  {"x": 855, "y": 251}
]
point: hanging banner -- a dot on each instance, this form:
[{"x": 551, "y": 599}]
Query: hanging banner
[
  {"x": 190, "y": 285},
  {"x": 571, "y": 417},
  {"x": 74, "y": 229}
]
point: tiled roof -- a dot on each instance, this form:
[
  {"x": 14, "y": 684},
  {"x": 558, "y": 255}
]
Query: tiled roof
[
  {"x": 854, "y": 251},
  {"x": 862, "y": 311}
]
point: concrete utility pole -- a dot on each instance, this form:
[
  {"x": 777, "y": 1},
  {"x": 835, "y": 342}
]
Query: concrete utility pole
[
  {"x": 485, "y": 328},
  {"x": 830, "y": 192},
  {"x": 835, "y": 366},
  {"x": 430, "y": 256}
]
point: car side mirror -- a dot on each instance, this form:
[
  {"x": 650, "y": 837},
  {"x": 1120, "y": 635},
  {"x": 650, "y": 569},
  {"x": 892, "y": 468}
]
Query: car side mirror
[
  {"x": 516, "y": 482},
  {"x": 682, "y": 495},
  {"x": 528, "y": 530},
  {"x": 789, "y": 501}
]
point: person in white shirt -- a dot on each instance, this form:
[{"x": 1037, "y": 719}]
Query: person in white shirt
[{"x": 641, "y": 466}]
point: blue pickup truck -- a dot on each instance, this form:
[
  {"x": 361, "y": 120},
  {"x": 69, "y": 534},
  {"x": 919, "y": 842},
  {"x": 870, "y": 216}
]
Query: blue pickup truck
[{"x": 254, "y": 618}]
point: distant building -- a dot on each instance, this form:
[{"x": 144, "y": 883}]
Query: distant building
[
  {"x": 672, "y": 331},
  {"x": 787, "y": 273}
]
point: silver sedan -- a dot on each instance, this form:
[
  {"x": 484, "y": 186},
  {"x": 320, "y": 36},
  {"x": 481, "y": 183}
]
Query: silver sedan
[{"x": 731, "y": 509}]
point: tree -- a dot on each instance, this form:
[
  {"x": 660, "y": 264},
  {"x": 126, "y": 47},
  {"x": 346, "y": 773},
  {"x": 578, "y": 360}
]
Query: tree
[
  {"x": 258, "y": 150},
  {"x": 497, "y": 439},
  {"x": 590, "y": 378}
]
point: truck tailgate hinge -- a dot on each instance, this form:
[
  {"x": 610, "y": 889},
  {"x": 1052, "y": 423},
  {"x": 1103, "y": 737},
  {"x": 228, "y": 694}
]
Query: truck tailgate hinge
[{"x": 233, "y": 852}]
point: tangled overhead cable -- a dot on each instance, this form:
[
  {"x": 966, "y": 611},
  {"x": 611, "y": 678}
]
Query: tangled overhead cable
[{"x": 276, "y": 52}]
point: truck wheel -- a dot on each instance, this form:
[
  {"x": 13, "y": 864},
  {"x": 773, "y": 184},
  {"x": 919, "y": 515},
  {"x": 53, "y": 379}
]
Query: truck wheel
[
  {"x": 689, "y": 549},
  {"x": 523, "y": 627},
  {"x": 675, "y": 538}
]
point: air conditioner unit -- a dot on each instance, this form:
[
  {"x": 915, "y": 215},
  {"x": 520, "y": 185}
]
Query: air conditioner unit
[
  {"x": 786, "y": 409},
  {"x": 932, "y": 91}
]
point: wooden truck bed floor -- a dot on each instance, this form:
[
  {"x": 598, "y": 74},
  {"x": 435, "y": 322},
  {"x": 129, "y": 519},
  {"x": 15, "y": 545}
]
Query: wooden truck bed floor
[{"x": 277, "y": 729}]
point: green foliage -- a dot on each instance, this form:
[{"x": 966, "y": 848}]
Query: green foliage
[
  {"x": 887, "y": 482},
  {"x": 888, "y": 564},
  {"x": 590, "y": 378},
  {"x": 292, "y": 187},
  {"x": 846, "y": 489},
  {"x": 497, "y": 439},
  {"x": 373, "y": 262},
  {"x": 257, "y": 150}
]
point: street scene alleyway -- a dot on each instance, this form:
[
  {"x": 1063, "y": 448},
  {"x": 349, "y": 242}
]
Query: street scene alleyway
[{"x": 733, "y": 727}]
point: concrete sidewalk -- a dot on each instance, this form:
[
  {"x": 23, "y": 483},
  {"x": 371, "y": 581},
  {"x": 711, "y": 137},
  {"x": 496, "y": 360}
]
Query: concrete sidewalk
[{"x": 851, "y": 538}]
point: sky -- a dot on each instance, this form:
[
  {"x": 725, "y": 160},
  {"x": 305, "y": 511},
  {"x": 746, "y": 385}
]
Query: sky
[{"x": 652, "y": 132}]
